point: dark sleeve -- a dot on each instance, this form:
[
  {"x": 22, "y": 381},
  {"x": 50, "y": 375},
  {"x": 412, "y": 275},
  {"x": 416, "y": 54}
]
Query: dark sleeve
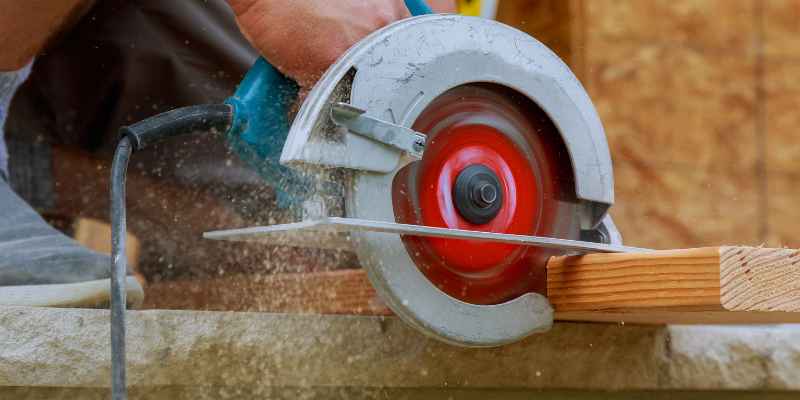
[{"x": 127, "y": 60}]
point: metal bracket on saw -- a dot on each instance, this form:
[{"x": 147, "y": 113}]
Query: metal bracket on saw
[{"x": 399, "y": 137}]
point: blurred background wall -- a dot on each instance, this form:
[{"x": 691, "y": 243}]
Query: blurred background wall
[{"x": 699, "y": 99}]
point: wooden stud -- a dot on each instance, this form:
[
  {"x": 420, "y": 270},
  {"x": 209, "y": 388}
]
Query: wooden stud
[
  {"x": 733, "y": 284},
  {"x": 96, "y": 235},
  {"x": 706, "y": 285},
  {"x": 641, "y": 280},
  {"x": 333, "y": 292}
]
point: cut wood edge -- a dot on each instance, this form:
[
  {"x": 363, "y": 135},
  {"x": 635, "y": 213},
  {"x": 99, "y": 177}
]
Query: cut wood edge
[{"x": 759, "y": 279}]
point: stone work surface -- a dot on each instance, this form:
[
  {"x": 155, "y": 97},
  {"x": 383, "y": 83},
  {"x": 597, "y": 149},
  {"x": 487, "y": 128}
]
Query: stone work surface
[
  {"x": 714, "y": 357},
  {"x": 69, "y": 348},
  {"x": 335, "y": 393}
]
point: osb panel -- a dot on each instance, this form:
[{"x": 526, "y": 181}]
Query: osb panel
[
  {"x": 782, "y": 28},
  {"x": 782, "y": 123},
  {"x": 665, "y": 206},
  {"x": 549, "y": 21},
  {"x": 719, "y": 24},
  {"x": 672, "y": 104},
  {"x": 782, "y": 107},
  {"x": 784, "y": 212},
  {"x": 675, "y": 85}
]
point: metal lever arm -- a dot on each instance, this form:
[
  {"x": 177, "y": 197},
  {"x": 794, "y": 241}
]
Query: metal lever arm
[{"x": 396, "y": 136}]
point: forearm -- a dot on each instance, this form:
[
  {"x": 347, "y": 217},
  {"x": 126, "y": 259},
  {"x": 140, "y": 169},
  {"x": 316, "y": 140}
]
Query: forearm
[{"x": 27, "y": 26}]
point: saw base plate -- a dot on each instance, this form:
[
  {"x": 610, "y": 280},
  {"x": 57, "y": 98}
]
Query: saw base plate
[{"x": 328, "y": 231}]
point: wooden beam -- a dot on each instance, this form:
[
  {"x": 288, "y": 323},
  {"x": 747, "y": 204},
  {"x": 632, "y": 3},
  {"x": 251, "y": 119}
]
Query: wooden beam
[
  {"x": 333, "y": 292},
  {"x": 675, "y": 278},
  {"x": 707, "y": 285},
  {"x": 96, "y": 235},
  {"x": 715, "y": 284}
]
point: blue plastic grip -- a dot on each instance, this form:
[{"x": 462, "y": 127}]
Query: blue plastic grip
[
  {"x": 261, "y": 124},
  {"x": 418, "y": 7}
]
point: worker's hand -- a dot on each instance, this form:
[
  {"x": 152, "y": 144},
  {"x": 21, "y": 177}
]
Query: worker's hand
[{"x": 303, "y": 38}]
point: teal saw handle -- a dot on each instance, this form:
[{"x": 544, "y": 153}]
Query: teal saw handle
[
  {"x": 261, "y": 123},
  {"x": 260, "y": 126},
  {"x": 260, "y": 108}
]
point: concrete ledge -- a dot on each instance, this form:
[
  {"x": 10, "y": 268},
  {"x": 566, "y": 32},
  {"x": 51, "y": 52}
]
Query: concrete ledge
[{"x": 70, "y": 348}]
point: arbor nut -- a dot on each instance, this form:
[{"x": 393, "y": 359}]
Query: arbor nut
[
  {"x": 477, "y": 194},
  {"x": 484, "y": 195}
]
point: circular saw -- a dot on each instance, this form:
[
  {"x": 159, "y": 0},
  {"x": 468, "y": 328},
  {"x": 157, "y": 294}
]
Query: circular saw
[
  {"x": 471, "y": 154},
  {"x": 454, "y": 155}
]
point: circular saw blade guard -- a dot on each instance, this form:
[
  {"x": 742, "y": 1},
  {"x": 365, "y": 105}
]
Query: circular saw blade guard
[{"x": 390, "y": 77}]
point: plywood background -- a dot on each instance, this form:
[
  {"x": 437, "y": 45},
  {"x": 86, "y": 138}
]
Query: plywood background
[{"x": 700, "y": 103}]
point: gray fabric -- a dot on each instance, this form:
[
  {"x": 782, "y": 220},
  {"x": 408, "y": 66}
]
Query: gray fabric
[
  {"x": 9, "y": 82},
  {"x": 3, "y": 157},
  {"x": 34, "y": 253}
]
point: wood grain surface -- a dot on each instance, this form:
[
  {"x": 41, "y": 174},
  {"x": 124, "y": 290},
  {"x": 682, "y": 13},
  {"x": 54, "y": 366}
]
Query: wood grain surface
[{"x": 706, "y": 285}]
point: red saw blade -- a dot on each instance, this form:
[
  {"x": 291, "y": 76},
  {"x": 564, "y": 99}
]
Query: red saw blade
[{"x": 493, "y": 162}]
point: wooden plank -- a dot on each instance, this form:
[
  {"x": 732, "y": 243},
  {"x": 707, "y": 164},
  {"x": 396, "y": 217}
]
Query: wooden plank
[
  {"x": 707, "y": 285},
  {"x": 671, "y": 278},
  {"x": 96, "y": 235},
  {"x": 334, "y": 292},
  {"x": 733, "y": 284}
]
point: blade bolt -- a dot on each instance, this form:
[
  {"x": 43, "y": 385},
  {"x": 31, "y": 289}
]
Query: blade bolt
[{"x": 486, "y": 195}]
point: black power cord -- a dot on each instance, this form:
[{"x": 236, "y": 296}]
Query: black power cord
[{"x": 181, "y": 121}]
